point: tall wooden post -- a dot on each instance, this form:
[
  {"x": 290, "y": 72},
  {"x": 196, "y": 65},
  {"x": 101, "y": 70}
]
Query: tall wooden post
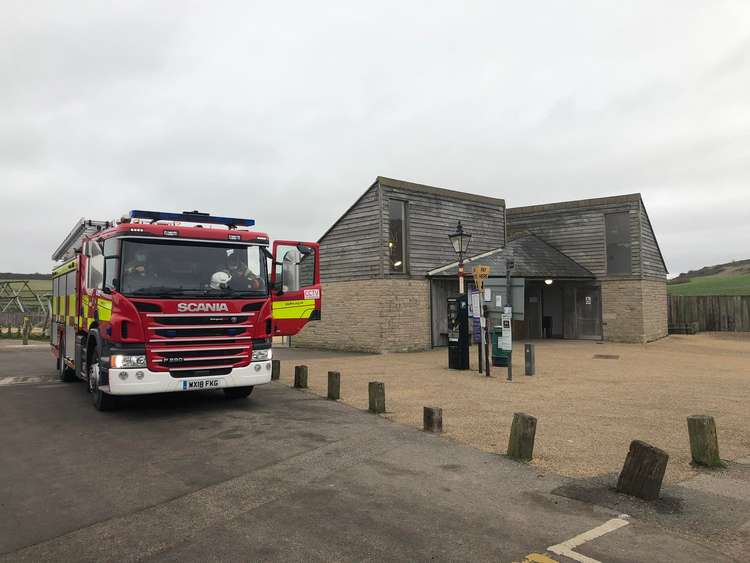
[
  {"x": 275, "y": 369},
  {"x": 487, "y": 348}
]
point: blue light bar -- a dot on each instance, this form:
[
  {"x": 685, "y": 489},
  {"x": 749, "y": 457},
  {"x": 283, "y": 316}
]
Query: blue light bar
[{"x": 191, "y": 217}]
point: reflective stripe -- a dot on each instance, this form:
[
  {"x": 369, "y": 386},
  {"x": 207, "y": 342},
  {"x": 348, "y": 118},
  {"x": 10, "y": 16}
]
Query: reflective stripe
[
  {"x": 65, "y": 268},
  {"x": 105, "y": 309},
  {"x": 297, "y": 309}
]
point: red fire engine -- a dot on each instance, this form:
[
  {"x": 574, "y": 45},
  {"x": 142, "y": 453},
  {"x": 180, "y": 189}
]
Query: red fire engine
[{"x": 159, "y": 302}]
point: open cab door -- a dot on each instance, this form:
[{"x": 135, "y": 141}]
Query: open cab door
[{"x": 295, "y": 283}]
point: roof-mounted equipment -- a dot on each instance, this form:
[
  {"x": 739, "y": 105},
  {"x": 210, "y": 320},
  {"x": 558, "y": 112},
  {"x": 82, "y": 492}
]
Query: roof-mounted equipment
[{"x": 192, "y": 217}]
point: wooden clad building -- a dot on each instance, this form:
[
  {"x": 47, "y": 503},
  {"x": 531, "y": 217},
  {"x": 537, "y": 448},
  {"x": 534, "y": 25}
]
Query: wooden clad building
[
  {"x": 612, "y": 237},
  {"x": 385, "y": 282},
  {"x": 374, "y": 261}
]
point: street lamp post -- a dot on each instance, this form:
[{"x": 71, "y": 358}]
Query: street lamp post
[{"x": 460, "y": 241}]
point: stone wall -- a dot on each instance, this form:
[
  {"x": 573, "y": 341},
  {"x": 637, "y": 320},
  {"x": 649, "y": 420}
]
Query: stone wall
[
  {"x": 634, "y": 310},
  {"x": 375, "y": 315},
  {"x": 655, "y": 311}
]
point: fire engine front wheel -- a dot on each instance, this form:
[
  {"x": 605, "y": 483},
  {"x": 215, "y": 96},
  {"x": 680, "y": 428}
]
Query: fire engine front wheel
[
  {"x": 238, "y": 392},
  {"x": 102, "y": 401}
]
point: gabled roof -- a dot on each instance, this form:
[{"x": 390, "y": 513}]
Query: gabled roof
[
  {"x": 533, "y": 258},
  {"x": 579, "y": 203},
  {"x": 634, "y": 199},
  {"x": 439, "y": 192},
  {"x": 419, "y": 188}
]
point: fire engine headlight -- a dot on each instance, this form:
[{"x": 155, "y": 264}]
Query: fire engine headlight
[
  {"x": 262, "y": 355},
  {"x": 125, "y": 362}
]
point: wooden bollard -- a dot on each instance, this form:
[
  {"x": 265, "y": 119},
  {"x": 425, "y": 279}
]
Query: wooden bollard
[
  {"x": 433, "y": 419},
  {"x": 704, "y": 445},
  {"x": 334, "y": 385},
  {"x": 275, "y": 369},
  {"x": 643, "y": 471},
  {"x": 529, "y": 355},
  {"x": 376, "y": 392},
  {"x": 522, "y": 434},
  {"x": 300, "y": 377}
]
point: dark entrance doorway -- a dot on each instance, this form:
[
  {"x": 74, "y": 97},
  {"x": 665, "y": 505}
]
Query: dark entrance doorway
[{"x": 562, "y": 309}]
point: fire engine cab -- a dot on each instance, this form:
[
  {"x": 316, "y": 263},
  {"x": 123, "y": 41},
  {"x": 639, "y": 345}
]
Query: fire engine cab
[{"x": 160, "y": 302}]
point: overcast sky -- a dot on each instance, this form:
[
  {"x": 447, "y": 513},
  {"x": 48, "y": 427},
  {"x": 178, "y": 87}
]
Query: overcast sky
[{"x": 286, "y": 112}]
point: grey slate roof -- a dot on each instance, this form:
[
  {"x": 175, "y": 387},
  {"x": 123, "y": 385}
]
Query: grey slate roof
[{"x": 533, "y": 258}]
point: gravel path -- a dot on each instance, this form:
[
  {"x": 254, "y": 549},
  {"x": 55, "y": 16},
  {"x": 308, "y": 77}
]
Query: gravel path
[{"x": 588, "y": 409}]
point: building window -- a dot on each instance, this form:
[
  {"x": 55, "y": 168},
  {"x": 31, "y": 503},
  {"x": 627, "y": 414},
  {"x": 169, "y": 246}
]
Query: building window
[
  {"x": 617, "y": 226},
  {"x": 397, "y": 236}
]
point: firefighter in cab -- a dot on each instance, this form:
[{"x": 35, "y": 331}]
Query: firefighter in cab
[
  {"x": 138, "y": 267},
  {"x": 241, "y": 277}
]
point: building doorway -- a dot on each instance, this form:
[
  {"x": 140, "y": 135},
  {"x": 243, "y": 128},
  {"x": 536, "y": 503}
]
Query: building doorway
[
  {"x": 562, "y": 309},
  {"x": 588, "y": 312}
]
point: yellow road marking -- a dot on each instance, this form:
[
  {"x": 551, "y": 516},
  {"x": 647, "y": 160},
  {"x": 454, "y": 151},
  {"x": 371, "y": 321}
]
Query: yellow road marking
[{"x": 539, "y": 558}]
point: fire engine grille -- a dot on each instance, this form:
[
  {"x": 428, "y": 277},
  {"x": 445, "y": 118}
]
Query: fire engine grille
[
  {"x": 186, "y": 343},
  {"x": 207, "y": 331},
  {"x": 168, "y": 320}
]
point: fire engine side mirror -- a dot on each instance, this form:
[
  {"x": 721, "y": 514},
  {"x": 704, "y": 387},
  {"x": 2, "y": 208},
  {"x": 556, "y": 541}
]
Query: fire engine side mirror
[{"x": 290, "y": 270}]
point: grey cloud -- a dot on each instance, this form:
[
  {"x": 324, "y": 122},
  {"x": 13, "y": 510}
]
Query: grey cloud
[{"x": 287, "y": 112}]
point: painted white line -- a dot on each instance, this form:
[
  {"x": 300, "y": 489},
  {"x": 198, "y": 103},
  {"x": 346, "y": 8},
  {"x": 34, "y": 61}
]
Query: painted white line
[
  {"x": 19, "y": 380},
  {"x": 566, "y": 548}
]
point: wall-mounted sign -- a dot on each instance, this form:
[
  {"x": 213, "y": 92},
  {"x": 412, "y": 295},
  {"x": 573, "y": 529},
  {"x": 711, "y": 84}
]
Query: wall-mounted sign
[{"x": 588, "y": 300}]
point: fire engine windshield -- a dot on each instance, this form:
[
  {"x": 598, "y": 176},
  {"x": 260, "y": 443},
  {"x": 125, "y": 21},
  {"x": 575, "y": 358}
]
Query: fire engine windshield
[{"x": 174, "y": 268}]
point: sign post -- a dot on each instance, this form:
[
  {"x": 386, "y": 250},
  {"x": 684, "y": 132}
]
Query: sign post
[
  {"x": 475, "y": 310},
  {"x": 481, "y": 273}
]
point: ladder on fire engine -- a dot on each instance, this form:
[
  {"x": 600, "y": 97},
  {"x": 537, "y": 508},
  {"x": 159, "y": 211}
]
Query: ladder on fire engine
[{"x": 83, "y": 228}]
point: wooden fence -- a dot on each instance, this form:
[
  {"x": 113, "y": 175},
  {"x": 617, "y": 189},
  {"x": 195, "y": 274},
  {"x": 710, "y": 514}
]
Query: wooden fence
[{"x": 711, "y": 312}]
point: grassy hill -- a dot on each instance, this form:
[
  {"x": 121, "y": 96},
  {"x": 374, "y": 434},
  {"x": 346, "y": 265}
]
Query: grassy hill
[{"x": 732, "y": 278}]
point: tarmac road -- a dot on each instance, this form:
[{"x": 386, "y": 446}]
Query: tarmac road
[{"x": 283, "y": 475}]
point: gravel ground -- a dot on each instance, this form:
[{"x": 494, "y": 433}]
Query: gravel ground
[{"x": 588, "y": 409}]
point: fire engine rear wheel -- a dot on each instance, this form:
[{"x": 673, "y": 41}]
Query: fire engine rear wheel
[
  {"x": 238, "y": 392},
  {"x": 102, "y": 401},
  {"x": 64, "y": 372}
]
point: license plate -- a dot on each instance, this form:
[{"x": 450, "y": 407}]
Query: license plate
[{"x": 198, "y": 384}]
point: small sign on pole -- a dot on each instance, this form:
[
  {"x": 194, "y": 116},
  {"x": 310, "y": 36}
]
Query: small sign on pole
[{"x": 481, "y": 273}]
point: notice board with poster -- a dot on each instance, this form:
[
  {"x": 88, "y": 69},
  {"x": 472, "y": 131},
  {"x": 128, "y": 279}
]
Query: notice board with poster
[{"x": 475, "y": 311}]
